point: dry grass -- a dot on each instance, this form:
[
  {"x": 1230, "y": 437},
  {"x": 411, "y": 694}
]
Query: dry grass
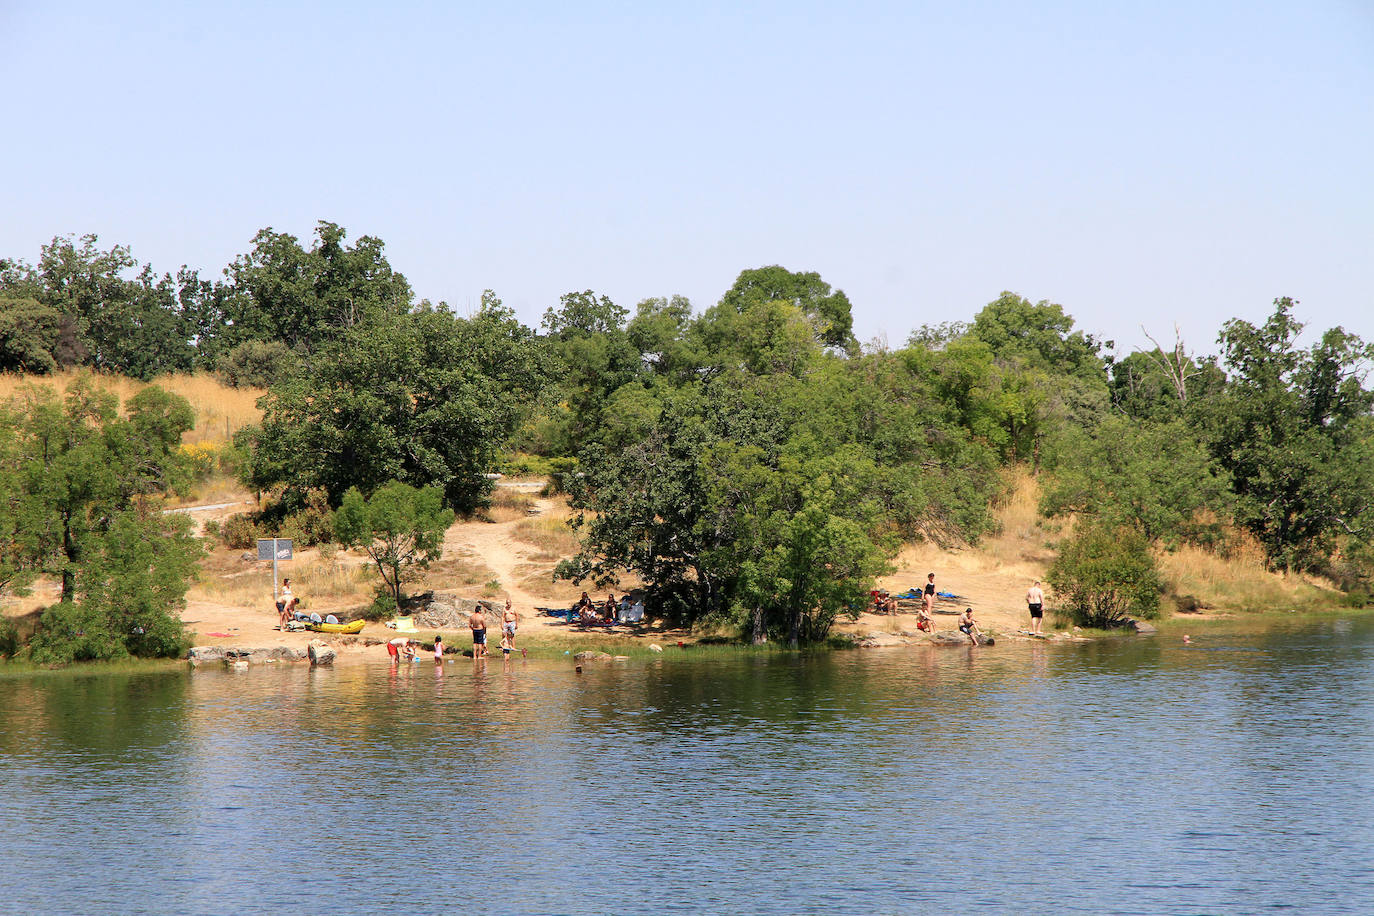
[
  {"x": 220, "y": 410},
  {"x": 508, "y": 505},
  {"x": 550, "y": 534},
  {"x": 454, "y": 571},
  {"x": 315, "y": 581},
  {"x": 1239, "y": 581}
]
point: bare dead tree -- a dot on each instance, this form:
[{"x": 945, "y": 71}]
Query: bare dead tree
[{"x": 1176, "y": 364}]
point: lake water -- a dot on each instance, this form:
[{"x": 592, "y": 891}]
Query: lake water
[{"x": 1232, "y": 775}]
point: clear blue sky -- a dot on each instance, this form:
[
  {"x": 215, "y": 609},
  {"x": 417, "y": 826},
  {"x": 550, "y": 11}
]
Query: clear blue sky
[{"x": 1137, "y": 162}]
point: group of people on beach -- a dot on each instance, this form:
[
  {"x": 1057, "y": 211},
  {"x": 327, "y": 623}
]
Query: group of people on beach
[
  {"x": 883, "y": 603},
  {"x": 403, "y": 648},
  {"x": 608, "y": 613}
]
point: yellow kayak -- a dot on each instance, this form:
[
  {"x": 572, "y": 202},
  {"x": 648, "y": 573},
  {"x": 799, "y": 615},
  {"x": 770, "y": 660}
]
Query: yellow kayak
[{"x": 353, "y": 626}]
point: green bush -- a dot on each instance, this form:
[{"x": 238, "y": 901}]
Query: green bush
[
  {"x": 71, "y": 632},
  {"x": 255, "y": 364},
  {"x": 1105, "y": 575},
  {"x": 241, "y": 532},
  {"x": 383, "y": 607},
  {"x": 313, "y": 524},
  {"x": 523, "y": 464},
  {"x": 560, "y": 472},
  {"x": 9, "y": 638}
]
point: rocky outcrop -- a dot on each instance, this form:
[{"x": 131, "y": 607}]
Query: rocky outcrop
[
  {"x": 449, "y": 612},
  {"x": 593, "y": 657},
  {"x": 321, "y": 653},
  {"x": 230, "y": 655},
  {"x": 1142, "y": 628}
]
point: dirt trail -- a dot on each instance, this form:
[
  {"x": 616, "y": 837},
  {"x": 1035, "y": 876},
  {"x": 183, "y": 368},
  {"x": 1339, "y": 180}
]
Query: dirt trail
[{"x": 508, "y": 557}]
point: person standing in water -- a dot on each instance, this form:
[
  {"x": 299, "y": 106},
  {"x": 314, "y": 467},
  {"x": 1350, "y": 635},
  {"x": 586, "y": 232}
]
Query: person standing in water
[
  {"x": 508, "y": 629},
  {"x": 1035, "y": 600},
  {"x": 438, "y": 649},
  {"x": 478, "y": 623}
]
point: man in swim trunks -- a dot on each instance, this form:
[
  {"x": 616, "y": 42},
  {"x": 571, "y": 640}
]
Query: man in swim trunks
[
  {"x": 478, "y": 623},
  {"x": 930, "y": 595},
  {"x": 1035, "y": 600},
  {"x": 508, "y": 629},
  {"x": 968, "y": 627}
]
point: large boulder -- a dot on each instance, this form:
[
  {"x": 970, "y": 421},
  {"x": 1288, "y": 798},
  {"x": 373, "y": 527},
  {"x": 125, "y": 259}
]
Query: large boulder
[
  {"x": 593, "y": 657},
  {"x": 321, "y": 653},
  {"x": 449, "y": 612},
  {"x": 199, "y": 655}
]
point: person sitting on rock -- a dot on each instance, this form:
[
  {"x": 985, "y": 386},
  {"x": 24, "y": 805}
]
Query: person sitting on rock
[
  {"x": 924, "y": 621},
  {"x": 968, "y": 627}
]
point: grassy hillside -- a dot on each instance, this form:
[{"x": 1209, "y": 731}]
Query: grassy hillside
[{"x": 220, "y": 410}]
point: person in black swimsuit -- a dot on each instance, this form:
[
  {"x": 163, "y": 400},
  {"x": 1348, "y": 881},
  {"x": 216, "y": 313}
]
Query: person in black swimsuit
[{"x": 930, "y": 594}]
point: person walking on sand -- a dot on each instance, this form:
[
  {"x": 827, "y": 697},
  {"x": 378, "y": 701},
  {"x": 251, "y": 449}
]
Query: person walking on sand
[
  {"x": 508, "y": 629},
  {"x": 968, "y": 627},
  {"x": 930, "y": 595},
  {"x": 1035, "y": 600},
  {"x": 478, "y": 623}
]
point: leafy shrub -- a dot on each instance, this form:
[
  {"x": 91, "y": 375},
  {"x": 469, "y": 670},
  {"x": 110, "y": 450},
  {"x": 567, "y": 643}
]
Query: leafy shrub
[
  {"x": 312, "y": 524},
  {"x": 382, "y": 607},
  {"x": 523, "y": 464},
  {"x": 1103, "y": 575},
  {"x": 255, "y": 364},
  {"x": 71, "y": 632},
  {"x": 241, "y": 532},
  {"x": 9, "y": 638},
  {"x": 561, "y": 471}
]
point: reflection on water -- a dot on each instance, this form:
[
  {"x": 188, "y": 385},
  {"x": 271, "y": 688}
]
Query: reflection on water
[{"x": 1230, "y": 775}]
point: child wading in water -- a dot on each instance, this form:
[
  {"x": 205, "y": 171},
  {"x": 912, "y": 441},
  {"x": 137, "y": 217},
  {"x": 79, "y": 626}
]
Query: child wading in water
[{"x": 438, "y": 649}]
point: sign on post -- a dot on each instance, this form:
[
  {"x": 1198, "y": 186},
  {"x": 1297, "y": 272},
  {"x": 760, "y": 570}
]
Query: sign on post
[{"x": 274, "y": 549}]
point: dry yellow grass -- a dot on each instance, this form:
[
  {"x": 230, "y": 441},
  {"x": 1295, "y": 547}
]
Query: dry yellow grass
[
  {"x": 316, "y": 581},
  {"x": 550, "y": 534},
  {"x": 507, "y": 505},
  {"x": 1239, "y": 581},
  {"x": 220, "y": 410}
]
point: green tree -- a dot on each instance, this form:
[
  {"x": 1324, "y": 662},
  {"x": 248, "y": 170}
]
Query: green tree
[
  {"x": 590, "y": 357},
  {"x": 30, "y": 334},
  {"x": 401, "y": 528},
  {"x": 1152, "y": 477},
  {"x": 1292, "y": 429},
  {"x": 131, "y": 586},
  {"x": 1039, "y": 334},
  {"x": 423, "y": 397},
  {"x": 828, "y": 313},
  {"x": 1103, "y": 575},
  {"x": 770, "y": 501},
  {"x": 82, "y": 464},
  {"x": 307, "y": 298}
]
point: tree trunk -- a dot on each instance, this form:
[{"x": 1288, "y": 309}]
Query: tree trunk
[{"x": 760, "y": 636}]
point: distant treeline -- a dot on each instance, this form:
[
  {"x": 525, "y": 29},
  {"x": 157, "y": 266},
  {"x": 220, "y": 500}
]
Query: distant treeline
[{"x": 750, "y": 461}]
